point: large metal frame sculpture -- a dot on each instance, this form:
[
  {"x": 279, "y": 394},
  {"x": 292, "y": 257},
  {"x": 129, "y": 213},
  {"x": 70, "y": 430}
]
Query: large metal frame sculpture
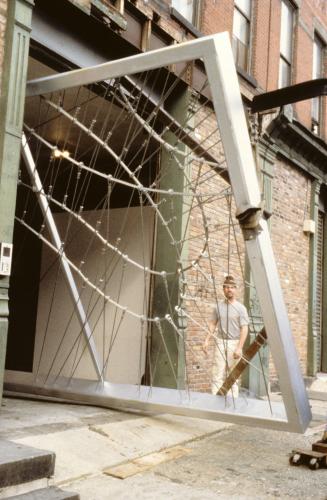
[{"x": 215, "y": 51}]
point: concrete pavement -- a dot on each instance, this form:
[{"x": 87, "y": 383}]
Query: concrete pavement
[
  {"x": 223, "y": 460},
  {"x": 88, "y": 440}
]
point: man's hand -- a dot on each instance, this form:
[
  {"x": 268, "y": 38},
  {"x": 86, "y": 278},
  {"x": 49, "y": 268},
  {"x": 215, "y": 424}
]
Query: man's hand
[
  {"x": 205, "y": 346},
  {"x": 237, "y": 354}
]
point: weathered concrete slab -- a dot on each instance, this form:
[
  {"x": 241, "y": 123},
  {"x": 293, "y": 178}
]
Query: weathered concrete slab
[
  {"x": 51, "y": 493},
  {"x": 240, "y": 463},
  {"x": 88, "y": 450},
  {"x": 87, "y": 440},
  {"x": 145, "y": 486},
  {"x": 20, "y": 463},
  {"x": 20, "y": 418},
  {"x": 78, "y": 452},
  {"x": 318, "y": 388},
  {"x": 236, "y": 463},
  {"x": 322, "y": 396}
]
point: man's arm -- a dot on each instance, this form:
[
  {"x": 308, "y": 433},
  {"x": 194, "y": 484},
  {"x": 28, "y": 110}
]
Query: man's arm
[
  {"x": 239, "y": 349},
  {"x": 211, "y": 327}
]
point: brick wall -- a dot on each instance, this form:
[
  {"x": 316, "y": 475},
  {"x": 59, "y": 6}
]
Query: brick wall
[
  {"x": 291, "y": 198},
  {"x": 223, "y": 254},
  {"x": 311, "y": 17},
  {"x": 217, "y": 16},
  {"x": 265, "y": 43}
]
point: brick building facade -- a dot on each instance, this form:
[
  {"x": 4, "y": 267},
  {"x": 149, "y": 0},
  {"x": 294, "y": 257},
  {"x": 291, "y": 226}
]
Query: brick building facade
[{"x": 289, "y": 143}]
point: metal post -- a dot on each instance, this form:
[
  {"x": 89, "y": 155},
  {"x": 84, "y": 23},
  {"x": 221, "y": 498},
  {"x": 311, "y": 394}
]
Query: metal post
[
  {"x": 19, "y": 17},
  {"x": 52, "y": 228}
]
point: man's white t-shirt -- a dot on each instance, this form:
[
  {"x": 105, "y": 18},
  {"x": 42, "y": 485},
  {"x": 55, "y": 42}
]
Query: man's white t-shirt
[{"x": 230, "y": 318}]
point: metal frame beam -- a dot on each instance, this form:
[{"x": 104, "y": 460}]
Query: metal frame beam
[
  {"x": 52, "y": 228},
  {"x": 128, "y": 66},
  {"x": 253, "y": 412}
]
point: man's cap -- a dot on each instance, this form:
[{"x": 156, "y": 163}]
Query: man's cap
[{"x": 229, "y": 280}]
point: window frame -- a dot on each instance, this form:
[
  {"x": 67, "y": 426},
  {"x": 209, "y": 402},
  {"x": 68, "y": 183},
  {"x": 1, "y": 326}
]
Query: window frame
[
  {"x": 249, "y": 19},
  {"x": 317, "y": 121},
  {"x": 282, "y": 57},
  {"x": 196, "y": 10}
]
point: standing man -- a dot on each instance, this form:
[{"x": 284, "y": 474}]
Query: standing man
[{"x": 232, "y": 320}]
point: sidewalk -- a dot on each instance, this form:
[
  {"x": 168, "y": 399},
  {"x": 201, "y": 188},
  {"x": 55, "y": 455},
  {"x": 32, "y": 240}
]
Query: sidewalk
[{"x": 87, "y": 441}]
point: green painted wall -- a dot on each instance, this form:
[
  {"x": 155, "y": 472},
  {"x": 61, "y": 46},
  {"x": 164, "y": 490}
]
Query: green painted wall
[
  {"x": 12, "y": 102},
  {"x": 312, "y": 329},
  {"x": 167, "y": 347}
]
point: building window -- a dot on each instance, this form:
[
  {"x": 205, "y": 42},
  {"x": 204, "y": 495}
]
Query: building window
[
  {"x": 317, "y": 72},
  {"x": 241, "y": 33},
  {"x": 286, "y": 44},
  {"x": 189, "y": 9}
]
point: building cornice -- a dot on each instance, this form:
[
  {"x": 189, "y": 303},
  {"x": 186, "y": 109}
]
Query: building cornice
[{"x": 300, "y": 146}]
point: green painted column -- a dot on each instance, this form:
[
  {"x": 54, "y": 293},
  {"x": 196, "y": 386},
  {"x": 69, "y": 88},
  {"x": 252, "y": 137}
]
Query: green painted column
[
  {"x": 253, "y": 379},
  {"x": 19, "y": 18},
  {"x": 312, "y": 327},
  {"x": 167, "y": 347},
  {"x": 324, "y": 304}
]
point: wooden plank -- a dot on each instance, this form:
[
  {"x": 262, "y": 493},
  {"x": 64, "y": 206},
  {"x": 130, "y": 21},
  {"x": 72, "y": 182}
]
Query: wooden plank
[
  {"x": 146, "y": 462},
  {"x": 125, "y": 470},
  {"x": 249, "y": 353}
]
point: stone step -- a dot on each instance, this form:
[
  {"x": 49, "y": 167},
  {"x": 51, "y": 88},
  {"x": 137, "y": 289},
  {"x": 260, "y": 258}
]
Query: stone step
[
  {"x": 22, "y": 464},
  {"x": 51, "y": 493}
]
